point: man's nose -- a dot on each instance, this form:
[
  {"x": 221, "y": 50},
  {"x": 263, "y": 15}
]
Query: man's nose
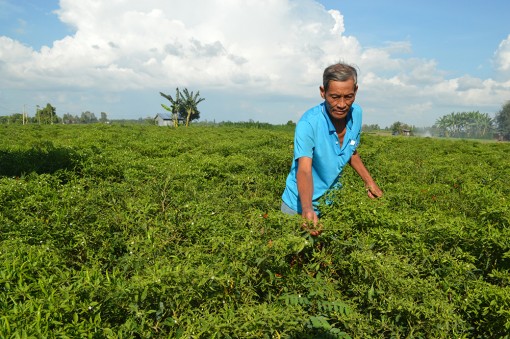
[{"x": 340, "y": 102}]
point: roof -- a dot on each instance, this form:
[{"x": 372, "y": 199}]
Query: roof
[{"x": 164, "y": 116}]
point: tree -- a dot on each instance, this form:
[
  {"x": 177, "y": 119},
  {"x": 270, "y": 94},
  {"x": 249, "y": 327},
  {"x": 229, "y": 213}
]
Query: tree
[
  {"x": 70, "y": 119},
  {"x": 175, "y": 107},
  {"x": 183, "y": 106},
  {"x": 88, "y": 117},
  {"x": 484, "y": 125},
  {"x": 399, "y": 127},
  {"x": 16, "y": 118},
  {"x": 503, "y": 120},
  {"x": 46, "y": 115},
  {"x": 370, "y": 128},
  {"x": 190, "y": 104},
  {"x": 465, "y": 124},
  {"x": 104, "y": 117}
]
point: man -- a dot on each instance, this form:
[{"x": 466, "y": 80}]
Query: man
[{"x": 325, "y": 140}]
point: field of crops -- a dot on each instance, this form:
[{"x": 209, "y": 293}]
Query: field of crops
[{"x": 121, "y": 231}]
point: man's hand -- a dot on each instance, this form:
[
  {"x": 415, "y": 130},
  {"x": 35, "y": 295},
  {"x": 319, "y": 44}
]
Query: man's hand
[
  {"x": 373, "y": 191},
  {"x": 309, "y": 215},
  {"x": 310, "y": 223},
  {"x": 305, "y": 188}
]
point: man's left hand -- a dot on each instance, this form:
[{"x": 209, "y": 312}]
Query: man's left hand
[{"x": 373, "y": 191}]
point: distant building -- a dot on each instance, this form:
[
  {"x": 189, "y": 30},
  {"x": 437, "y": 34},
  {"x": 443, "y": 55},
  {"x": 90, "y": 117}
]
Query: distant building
[
  {"x": 405, "y": 132},
  {"x": 498, "y": 136},
  {"x": 165, "y": 119}
]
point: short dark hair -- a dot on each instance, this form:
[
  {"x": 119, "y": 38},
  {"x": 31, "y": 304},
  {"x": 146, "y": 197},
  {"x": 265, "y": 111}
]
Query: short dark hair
[{"x": 339, "y": 72}]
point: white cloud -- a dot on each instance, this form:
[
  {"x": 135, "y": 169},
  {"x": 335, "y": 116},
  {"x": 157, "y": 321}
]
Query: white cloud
[
  {"x": 219, "y": 43},
  {"x": 502, "y": 56},
  {"x": 265, "y": 57},
  {"x": 467, "y": 82}
]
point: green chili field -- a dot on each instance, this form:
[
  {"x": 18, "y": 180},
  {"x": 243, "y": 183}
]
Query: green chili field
[{"x": 131, "y": 231}]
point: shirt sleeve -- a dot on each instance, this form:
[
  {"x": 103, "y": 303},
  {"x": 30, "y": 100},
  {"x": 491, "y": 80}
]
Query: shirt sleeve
[
  {"x": 357, "y": 119},
  {"x": 304, "y": 141}
]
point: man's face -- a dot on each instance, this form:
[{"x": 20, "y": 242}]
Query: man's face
[{"x": 339, "y": 98}]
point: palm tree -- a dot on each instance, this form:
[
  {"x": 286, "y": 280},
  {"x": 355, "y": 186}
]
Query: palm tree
[
  {"x": 503, "y": 120},
  {"x": 465, "y": 124},
  {"x": 484, "y": 124},
  {"x": 176, "y": 105},
  {"x": 444, "y": 124},
  {"x": 456, "y": 124},
  {"x": 190, "y": 103}
]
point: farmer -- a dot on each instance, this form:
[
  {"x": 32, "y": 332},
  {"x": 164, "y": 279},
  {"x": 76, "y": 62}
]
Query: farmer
[{"x": 325, "y": 140}]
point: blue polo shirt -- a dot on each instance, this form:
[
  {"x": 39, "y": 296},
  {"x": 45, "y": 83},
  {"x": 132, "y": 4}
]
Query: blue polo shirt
[{"x": 315, "y": 137}]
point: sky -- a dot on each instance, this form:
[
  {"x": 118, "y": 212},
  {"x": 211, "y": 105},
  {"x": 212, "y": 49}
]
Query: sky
[{"x": 259, "y": 60}]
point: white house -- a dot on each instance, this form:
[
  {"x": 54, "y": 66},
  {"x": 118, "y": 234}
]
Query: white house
[{"x": 165, "y": 119}]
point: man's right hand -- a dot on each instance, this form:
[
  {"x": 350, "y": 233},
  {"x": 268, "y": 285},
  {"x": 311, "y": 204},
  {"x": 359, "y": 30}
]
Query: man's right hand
[
  {"x": 305, "y": 188},
  {"x": 309, "y": 215},
  {"x": 311, "y": 221}
]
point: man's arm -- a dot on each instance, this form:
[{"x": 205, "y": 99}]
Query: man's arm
[
  {"x": 356, "y": 163},
  {"x": 305, "y": 188}
]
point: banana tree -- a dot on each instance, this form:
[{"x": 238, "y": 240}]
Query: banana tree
[
  {"x": 190, "y": 102},
  {"x": 175, "y": 107}
]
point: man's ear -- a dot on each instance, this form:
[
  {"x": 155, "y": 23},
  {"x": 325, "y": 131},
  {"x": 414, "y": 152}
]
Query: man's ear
[
  {"x": 355, "y": 89},
  {"x": 322, "y": 92}
]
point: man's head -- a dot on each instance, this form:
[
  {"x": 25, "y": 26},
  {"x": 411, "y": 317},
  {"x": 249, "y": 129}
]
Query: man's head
[
  {"x": 339, "y": 72},
  {"x": 340, "y": 84}
]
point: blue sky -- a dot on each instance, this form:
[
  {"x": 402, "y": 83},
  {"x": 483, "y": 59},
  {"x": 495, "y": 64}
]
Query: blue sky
[
  {"x": 460, "y": 35},
  {"x": 254, "y": 60}
]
